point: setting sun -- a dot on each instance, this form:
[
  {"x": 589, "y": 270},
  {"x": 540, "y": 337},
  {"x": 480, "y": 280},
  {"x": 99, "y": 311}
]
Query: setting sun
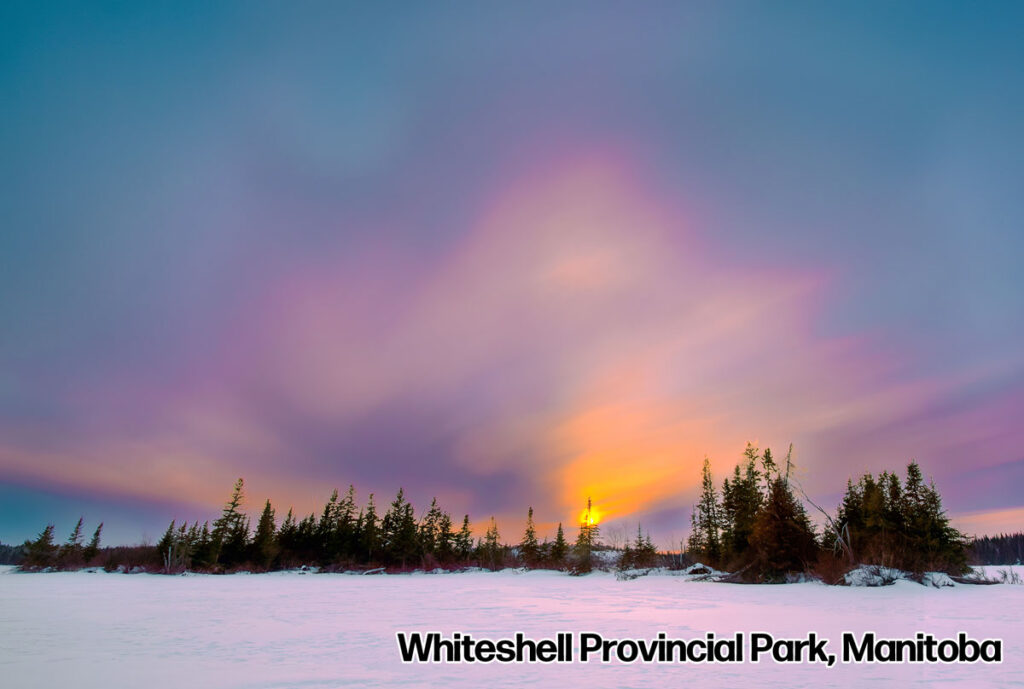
[{"x": 590, "y": 516}]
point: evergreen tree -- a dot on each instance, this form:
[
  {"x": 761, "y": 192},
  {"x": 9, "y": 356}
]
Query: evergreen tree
[
  {"x": 327, "y": 529},
  {"x": 768, "y": 468},
  {"x": 173, "y": 549},
  {"x": 430, "y": 531},
  {"x": 370, "y": 531},
  {"x": 464, "y": 541},
  {"x": 42, "y": 551},
  {"x": 398, "y": 529},
  {"x": 490, "y": 550},
  {"x": 528, "y": 548},
  {"x": 287, "y": 539},
  {"x": 640, "y": 553},
  {"x": 346, "y": 528},
  {"x": 166, "y": 541},
  {"x": 236, "y": 548},
  {"x": 706, "y": 520},
  {"x": 560, "y": 548},
  {"x": 93, "y": 549},
  {"x": 783, "y": 539},
  {"x": 445, "y": 545},
  {"x": 902, "y": 527},
  {"x": 741, "y": 500},
  {"x": 934, "y": 544},
  {"x": 307, "y": 537},
  {"x": 230, "y": 531},
  {"x": 265, "y": 546},
  {"x": 203, "y": 552},
  {"x": 70, "y": 554}
]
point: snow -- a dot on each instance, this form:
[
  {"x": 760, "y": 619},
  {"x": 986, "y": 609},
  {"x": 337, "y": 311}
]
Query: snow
[
  {"x": 873, "y": 575},
  {"x": 293, "y": 629}
]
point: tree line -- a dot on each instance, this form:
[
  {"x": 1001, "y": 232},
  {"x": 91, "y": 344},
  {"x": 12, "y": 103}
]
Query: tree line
[
  {"x": 1005, "y": 549},
  {"x": 756, "y": 526},
  {"x": 345, "y": 535}
]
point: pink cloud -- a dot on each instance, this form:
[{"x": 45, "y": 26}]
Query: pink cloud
[{"x": 583, "y": 332}]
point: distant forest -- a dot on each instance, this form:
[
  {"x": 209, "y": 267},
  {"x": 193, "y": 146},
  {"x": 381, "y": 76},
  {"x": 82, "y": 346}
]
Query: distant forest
[{"x": 754, "y": 526}]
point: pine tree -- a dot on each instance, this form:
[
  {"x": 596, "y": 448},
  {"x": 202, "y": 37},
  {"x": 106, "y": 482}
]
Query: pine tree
[
  {"x": 93, "y": 549},
  {"x": 70, "y": 554},
  {"x": 165, "y": 546},
  {"x": 933, "y": 543},
  {"x": 560, "y": 548},
  {"x": 741, "y": 500},
  {"x": 42, "y": 551},
  {"x": 430, "y": 531},
  {"x": 445, "y": 545},
  {"x": 230, "y": 530},
  {"x": 307, "y": 538},
  {"x": 183, "y": 543},
  {"x": 649, "y": 550},
  {"x": 203, "y": 553},
  {"x": 640, "y": 553},
  {"x": 370, "y": 531},
  {"x": 287, "y": 539},
  {"x": 265, "y": 546},
  {"x": 398, "y": 529},
  {"x": 464, "y": 541},
  {"x": 491, "y": 548},
  {"x": 705, "y": 539},
  {"x": 528, "y": 548},
  {"x": 327, "y": 529},
  {"x": 346, "y": 528},
  {"x": 783, "y": 540},
  {"x": 768, "y": 468}
]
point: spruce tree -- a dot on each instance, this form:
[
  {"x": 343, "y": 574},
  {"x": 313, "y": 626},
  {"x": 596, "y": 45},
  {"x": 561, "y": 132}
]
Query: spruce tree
[
  {"x": 932, "y": 543},
  {"x": 229, "y": 531},
  {"x": 264, "y": 545},
  {"x": 370, "y": 532},
  {"x": 42, "y": 551},
  {"x": 783, "y": 540},
  {"x": 165, "y": 546},
  {"x": 430, "y": 531},
  {"x": 741, "y": 500},
  {"x": 705, "y": 537},
  {"x": 640, "y": 553},
  {"x": 491, "y": 547},
  {"x": 327, "y": 529},
  {"x": 560, "y": 548},
  {"x": 528, "y": 548},
  {"x": 70, "y": 554},
  {"x": 93, "y": 549},
  {"x": 287, "y": 539},
  {"x": 464, "y": 541},
  {"x": 444, "y": 548},
  {"x": 203, "y": 553},
  {"x": 398, "y": 529},
  {"x": 768, "y": 468},
  {"x": 308, "y": 539},
  {"x": 346, "y": 528}
]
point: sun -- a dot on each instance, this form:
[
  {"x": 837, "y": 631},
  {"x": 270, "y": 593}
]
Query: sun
[{"x": 590, "y": 517}]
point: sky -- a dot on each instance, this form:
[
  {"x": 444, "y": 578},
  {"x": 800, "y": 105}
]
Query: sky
[{"x": 505, "y": 256}]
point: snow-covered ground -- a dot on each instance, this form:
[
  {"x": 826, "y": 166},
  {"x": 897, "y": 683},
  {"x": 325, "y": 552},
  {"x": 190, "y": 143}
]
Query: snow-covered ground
[{"x": 83, "y": 630}]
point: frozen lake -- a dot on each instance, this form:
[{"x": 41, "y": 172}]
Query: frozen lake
[{"x": 107, "y": 631}]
